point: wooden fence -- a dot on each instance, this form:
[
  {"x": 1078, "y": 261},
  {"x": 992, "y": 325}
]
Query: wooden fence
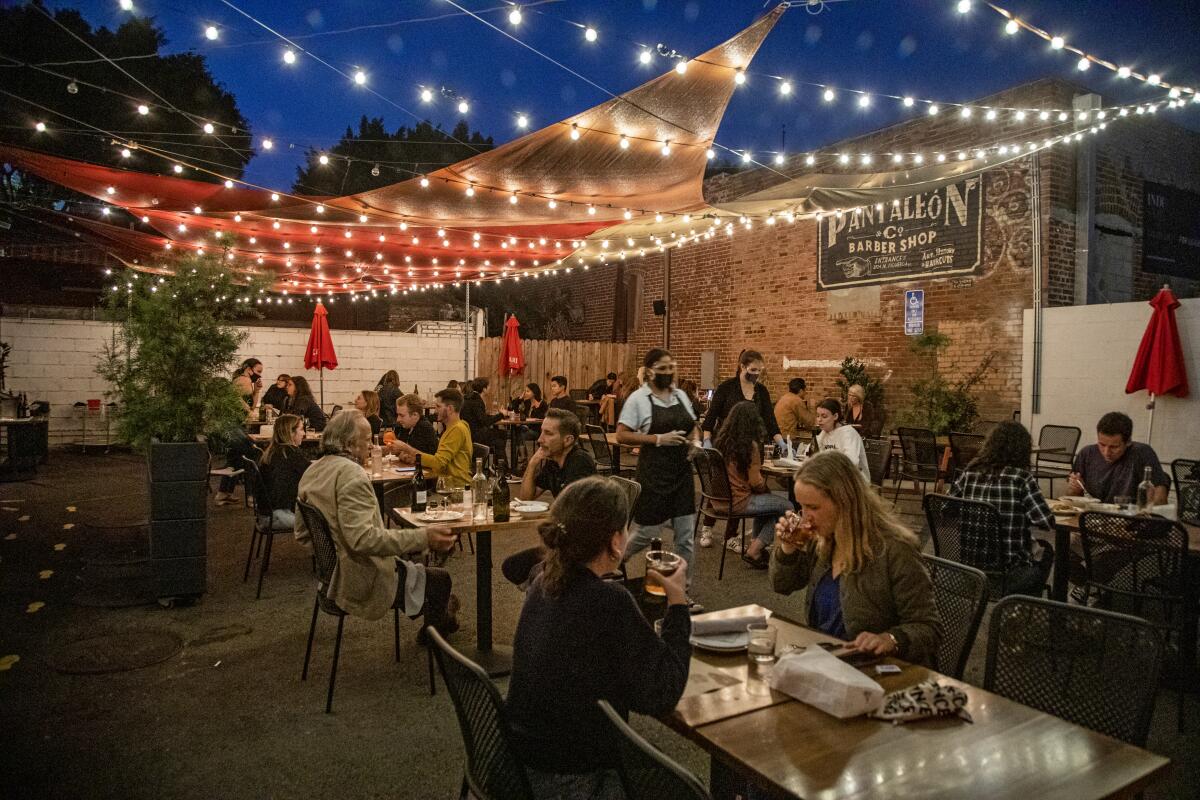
[{"x": 580, "y": 362}]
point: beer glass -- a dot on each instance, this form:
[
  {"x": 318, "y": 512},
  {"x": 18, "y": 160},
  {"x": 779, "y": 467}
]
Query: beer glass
[{"x": 664, "y": 563}]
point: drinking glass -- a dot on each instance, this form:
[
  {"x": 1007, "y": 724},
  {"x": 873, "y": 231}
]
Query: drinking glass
[
  {"x": 1123, "y": 502},
  {"x": 761, "y": 649},
  {"x": 434, "y": 506},
  {"x": 456, "y": 496},
  {"x": 664, "y": 563}
]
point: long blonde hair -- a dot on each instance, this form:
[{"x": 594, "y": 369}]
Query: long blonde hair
[
  {"x": 285, "y": 431},
  {"x": 371, "y": 401},
  {"x": 864, "y": 523}
]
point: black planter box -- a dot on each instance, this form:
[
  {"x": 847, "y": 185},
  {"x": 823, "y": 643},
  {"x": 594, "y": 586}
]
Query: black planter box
[
  {"x": 179, "y": 538},
  {"x": 170, "y": 500},
  {"x": 180, "y": 576},
  {"x": 179, "y": 517},
  {"x": 187, "y": 461}
]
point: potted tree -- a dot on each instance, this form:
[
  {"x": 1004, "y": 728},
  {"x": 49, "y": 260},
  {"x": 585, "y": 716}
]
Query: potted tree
[
  {"x": 169, "y": 365},
  {"x": 939, "y": 404}
]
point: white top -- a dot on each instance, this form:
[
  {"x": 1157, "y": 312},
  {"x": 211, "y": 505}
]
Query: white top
[
  {"x": 846, "y": 439},
  {"x": 637, "y": 410}
]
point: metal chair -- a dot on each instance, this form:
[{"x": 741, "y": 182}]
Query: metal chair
[
  {"x": 879, "y": 456},
  {"x": 492, "y": 770},
  {"x": 1056, "y": 466},
  {"x": 264, "y": 527},
  {"x": 632, "y": 490},
  {"x": 646, "y": 773},
  {"x": 602, "y": 451},
  {"x": 963, "y": 449},
  {"x": 1185, "y": 470},
  {"x": 326, "y": 556},
  {"x": 983, "y": 427},
  {"x": 1090, "y": 667},
  {"x": 920, "y": 461},
  {"x": 479, "y": 451},
  {"x": 1188, "y": 503},
  {"x": 716, "y": 500},
  {"x": 961, "y": 595}
]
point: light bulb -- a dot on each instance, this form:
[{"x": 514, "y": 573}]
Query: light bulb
[
  {"x": 681, "y": 67},
  {"x": 323, "y": 159},
  {"x": 522, "y": 121},
  {"x": 126, "y": 5},
  {"x": 1020, "y": 116},
  {"x": 1154, "y": 79},
  {"x": 991, "y": 114},
  {"x": 113, "y": 190},
  {"x": 908, "y": 102},
  {"x": 628, "y": 214},
  {"x": 512, "y": 198},
  {"x": 739, "y": 77},
  {"x": 644, "y": 56},
  {"x": 745, "y": 156},
  {"x": 375, "y": 171},
  {"x": 552, "y": 203},
  {"x": 964, "y": 6},
  {"x": 864, "y": 101},
  {"x": 463, "y": 107},
  {"x": 592, "y": 210},
  {"x": 624, "y": 142},
  {"x": 666, "y": 148},
  {"x": 1124, "y": 72},
  {"x": 828, "y": 95},
  {"x": 211, "y": 33},
  {"x": 143, "y": 109},
  {"x": 514, "y": 16},
  {"x": 934, "y": 109},
  {"x": 898, "y": 158},
  {"x": 178, "y": 169},
  {"x": 125, "y": 152},
  {"x": 810, "y": 159},
  {"x": 320, "y": 209},
  {"x": 1012, "y": 27},
  {"x": 208, "y": 127},
  {"x": 426, "y": 96},
  {"x": 711, "y": 154},
  {"x": 966, "y": 112},
  {"x": 470, "y": 191},
  {"x": 590, "y": 34},
  {"x": 228, "y": 184},
  {"x": 844, "y": 159},
  {"x": 575, "y": 130},
  {"x": 1083, "y": 64},
  {"x": 289, "y": 56},
  {"x": 274, "y": 197},
  {"x": 785, "y": 88},
  {"x": 40, "y": 127},
  {"x": 267, "y": 144},
  {"x": 1057, "y": 43}
]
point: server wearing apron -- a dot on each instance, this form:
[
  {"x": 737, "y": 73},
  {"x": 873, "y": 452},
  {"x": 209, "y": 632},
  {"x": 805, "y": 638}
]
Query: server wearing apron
[{"x": 658, "y": 418}]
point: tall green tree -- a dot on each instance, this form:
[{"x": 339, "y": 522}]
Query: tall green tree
[
  {"x": 28, "y": 37},
  {"x": 379, "y": 158}
]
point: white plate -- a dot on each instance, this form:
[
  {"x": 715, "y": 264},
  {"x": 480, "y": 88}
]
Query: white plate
[
  {"x": 441, "y": 516},
  {"x": 530, "y": 506},
  {"x": 723, "y": 642}
]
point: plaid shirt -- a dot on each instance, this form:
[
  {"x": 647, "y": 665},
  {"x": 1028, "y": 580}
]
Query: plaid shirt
[{"x": 1015, "y": 494}]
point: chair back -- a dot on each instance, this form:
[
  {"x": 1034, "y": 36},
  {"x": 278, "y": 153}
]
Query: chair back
[
  {"x": 879, "y": 456},
  {"x": 646, "y": 773},
  {"x": 333, "y": 411},
  {"x": 1065, "y": 437},
  {"x": 578, "y": 394},
  {"x": 1187, "y": 502},
  {"x": 1185, "y": 470},
  {"x": 479, "y": 451},
  {"x": 961, "y": 595},
  {"x": 493, "y": 771},
  {"x": 983, "y": 427},
  {"x": 1134, "y": 560},
  {"x": 714, "y": 480},
  {"x": 920, "y": 449},
  {"x": 963, "y": 449},
  {"x": 322, "y": 542},
  {"x": 598, "y": 441},
  {"x": 965, "y": 531},
  {"x": 632, "y": 490},
  {"x": 257, "y": 487},
  {"x": 1090, "y": 667}
]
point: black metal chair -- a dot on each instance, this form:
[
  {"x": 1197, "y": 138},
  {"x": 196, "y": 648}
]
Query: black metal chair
[
  {"x": 961, "y": 594},
  {"x": 1185, "y": 470},
  {"x": 963, "y": 449},
  {"x": 1187, "y": 503},
  {"x": 492, "y": 770},
  {"x": 326, "y": 556},
  {"x": 632, "y": 490},
  {"x": 983, "y": 427},
  {"x": 646, "y": 773},
  {"x": 607, "y": 457},
  {"x": 879, "y": 456},
  {"x": 716, "y": 500},
  {"x": 1090, "y": 667},
  {"x": 1056, "y": 466},
  {"x": 920, "y": 459},
  {"x": 968, "y": 532},
  {"x": 264, "y": 527}
]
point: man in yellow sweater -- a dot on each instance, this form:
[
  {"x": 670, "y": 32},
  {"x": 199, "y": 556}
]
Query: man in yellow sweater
[{"x": 452, "y": 460}]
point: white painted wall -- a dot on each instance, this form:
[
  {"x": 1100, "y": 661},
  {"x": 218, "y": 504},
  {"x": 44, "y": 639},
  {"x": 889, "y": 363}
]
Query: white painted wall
[
  {"x": 1087, "y": 353},
  {"x": 55, "y": 360}
]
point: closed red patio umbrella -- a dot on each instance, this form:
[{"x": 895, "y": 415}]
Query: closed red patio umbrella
[
  {"x": 512, "y": 359},
  {"x": 319, "y": 355},
  {"x": 1159, "y": 366}
]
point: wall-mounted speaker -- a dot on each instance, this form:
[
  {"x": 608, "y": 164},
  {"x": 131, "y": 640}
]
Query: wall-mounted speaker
[{"x": 660, "y": 308}]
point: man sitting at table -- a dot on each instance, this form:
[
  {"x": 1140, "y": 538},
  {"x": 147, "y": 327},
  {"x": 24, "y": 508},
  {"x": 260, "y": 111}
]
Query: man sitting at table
[
  {"x": 372, "y": 575},
  {"x": 793, "y": 413},
  {"x": 560, "y": 396},
  {"x": 454, "y": 450},
  {"x": 411, "y": 426},
  {"x": 603, "y": 386},
  {"x": 559, "y": 460},
  {"x": 1115, "y": 465}
]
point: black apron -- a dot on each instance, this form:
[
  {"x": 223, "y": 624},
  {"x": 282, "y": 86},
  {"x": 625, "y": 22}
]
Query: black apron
[{"x": 665, "y": 472}]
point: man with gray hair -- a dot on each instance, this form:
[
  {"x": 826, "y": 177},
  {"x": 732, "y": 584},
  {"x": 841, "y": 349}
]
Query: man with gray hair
[{"x": 373, "y": 574}]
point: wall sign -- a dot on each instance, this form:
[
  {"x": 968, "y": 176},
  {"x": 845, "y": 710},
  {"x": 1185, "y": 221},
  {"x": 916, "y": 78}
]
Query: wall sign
[
  {"x": 927, "y": 234},
  {"x": 914, "y": 312},
  {"x": 1170, "y": 231}
]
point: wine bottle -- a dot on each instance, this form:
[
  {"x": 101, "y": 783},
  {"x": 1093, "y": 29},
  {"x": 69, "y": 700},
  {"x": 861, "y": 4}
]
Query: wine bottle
[
  {"x": 500, "y": 499},
  {"x": 420, "y": 495},
  {"x": 479, "y": 492},
  {"x": 1145, "y": 492}
]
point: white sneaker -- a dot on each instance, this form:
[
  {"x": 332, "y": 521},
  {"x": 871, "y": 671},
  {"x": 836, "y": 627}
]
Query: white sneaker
[
  {"x": 734, "y": 544},
  {"x": 706, "y": 537}
]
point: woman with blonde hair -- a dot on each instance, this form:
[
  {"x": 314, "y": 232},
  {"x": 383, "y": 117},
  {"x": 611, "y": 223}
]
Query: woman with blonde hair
[
  {"x": 282, "y": 466},
  {"x": 367, "y": 402},
  {"x": 859, "y": 567}
]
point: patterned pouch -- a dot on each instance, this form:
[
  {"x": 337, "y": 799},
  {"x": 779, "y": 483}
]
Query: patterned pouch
[{"x": 923, "y": 701}]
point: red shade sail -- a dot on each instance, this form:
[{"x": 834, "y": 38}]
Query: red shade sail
[
  {"x": 319, "y": 354},
  {"x": 512, "y": 359},
  {"x": 1159, "y": 367}
]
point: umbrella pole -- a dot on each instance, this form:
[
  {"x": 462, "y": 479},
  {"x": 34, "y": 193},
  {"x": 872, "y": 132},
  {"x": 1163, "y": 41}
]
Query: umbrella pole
[
  {"x": 321, "y": 379},
  {"x": 1150, "y": 427}
]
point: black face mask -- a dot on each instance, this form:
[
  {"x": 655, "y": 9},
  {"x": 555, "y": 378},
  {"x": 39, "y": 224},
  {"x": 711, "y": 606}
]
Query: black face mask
[
  {"x": 663, "y": 380},
  {"x": 751, "y": 377},
  {"x": 255, "y": 377}
]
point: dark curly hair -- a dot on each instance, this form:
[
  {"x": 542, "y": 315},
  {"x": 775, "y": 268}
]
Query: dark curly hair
[
  {"x": 1008, "y": 445},
  {"x": 739, "y": 434}
]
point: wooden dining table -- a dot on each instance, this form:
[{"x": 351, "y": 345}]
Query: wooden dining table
[
  {"x": 495, "y": 659},
  {"x": 514, "y": 427},
  {"x": 792, "y": 749}
]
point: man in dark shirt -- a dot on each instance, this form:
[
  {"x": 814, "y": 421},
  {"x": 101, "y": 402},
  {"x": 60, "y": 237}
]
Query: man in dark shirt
[
  {"x": 412, "y": 427},
  {"x": 560, "y": 397},
  {"x": 474, "y": 413},
  {"x": 1115, "y": 465},
  {"x": 602, "y": 386}
]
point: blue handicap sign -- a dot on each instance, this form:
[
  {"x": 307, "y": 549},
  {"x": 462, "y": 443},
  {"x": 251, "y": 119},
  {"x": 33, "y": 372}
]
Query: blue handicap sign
[{"x": 914, "y": 312}]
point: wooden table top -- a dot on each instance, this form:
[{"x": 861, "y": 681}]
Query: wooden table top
[
  {"x": 506, "y": 423},
  {"x": 516, "y": 521},
  {"x": 309, "y": 438},
  {"x": 1010, "y": 751}
]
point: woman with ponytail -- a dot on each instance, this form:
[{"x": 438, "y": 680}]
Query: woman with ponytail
[{"x": 581, "y": 639}]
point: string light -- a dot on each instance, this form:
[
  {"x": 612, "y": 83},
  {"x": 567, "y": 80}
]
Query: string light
[
  {"x": 289, "y": 57},
  {"x": 681, "y": 67},
  {"x": 666, "y": 147},
  {"x": 575, "y": 131},
  {"x": 463, "y": 107},
  {"x": 40, "y": 127},
  {"x": 143, "y": 109},
  {"x": 624, "y": 142},
  {"x": 267, "y": 144},
  {"x": 426, "y": 96},
  {"x": 522, "y": 121},
  {"x": 514, "y": 16},
  {"x": 590, "y": 34},
  {"x": 644, "y": 56},
  {"x": 360, "y": 77},
  {"x": 211, "y": 33},
  {"x": 739, "y": 77}
]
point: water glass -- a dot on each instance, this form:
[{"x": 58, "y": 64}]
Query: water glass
[
  {"x": 456, "y": 496},
  {"x": 434, "y": 506},
  {"x": 1123, "y": 502},
  {"x": 761, "y": 649}
]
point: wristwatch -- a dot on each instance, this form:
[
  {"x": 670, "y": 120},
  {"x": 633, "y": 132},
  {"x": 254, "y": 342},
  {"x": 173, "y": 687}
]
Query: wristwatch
[{"x": 895, "y": 641}]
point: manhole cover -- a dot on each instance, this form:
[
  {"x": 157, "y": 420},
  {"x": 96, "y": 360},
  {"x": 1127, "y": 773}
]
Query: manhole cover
[{"x": 114, "y": 652}]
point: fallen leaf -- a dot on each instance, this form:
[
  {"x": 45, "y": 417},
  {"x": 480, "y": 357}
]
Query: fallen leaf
[
  {"x": 60, "y": 546},
  {"x": 217, "y": 664},
  {"x": 68, "y": 526},
  {"x": 34, "y": 607},
  {"x": 46, "y": 573},
  {"x": 6, "y": 662},
  {"x": 70, "y": 508},
  {"x": 23, "y": 518}
]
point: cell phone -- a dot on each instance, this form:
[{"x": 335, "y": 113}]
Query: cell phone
[{"x": 858, "y": 658}]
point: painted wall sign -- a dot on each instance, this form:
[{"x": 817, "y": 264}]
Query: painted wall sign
[
  {"x": 927, "y": 234},
  {"x": 1171, "y": 231},
  {"x": 914, "y": 312}
]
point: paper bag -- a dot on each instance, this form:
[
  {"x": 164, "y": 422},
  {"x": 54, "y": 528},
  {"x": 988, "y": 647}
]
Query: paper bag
[{"x": 823, "y": 680}]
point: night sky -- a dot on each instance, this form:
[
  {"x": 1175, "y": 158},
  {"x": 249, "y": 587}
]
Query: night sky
[{"x": 924, "y": 48}]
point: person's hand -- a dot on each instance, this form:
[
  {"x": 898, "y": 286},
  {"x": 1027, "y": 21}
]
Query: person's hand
[
  {"x": 793, "y": 531},
  {"x": 675, "y": 584},
  {"x": 538, "y": 459},
  {"x": 879, "y": 644},
  {"x": 670, "y": 439},
  {"x": 440, "y": 538},
  {"x": 1075, "y": 484}
]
